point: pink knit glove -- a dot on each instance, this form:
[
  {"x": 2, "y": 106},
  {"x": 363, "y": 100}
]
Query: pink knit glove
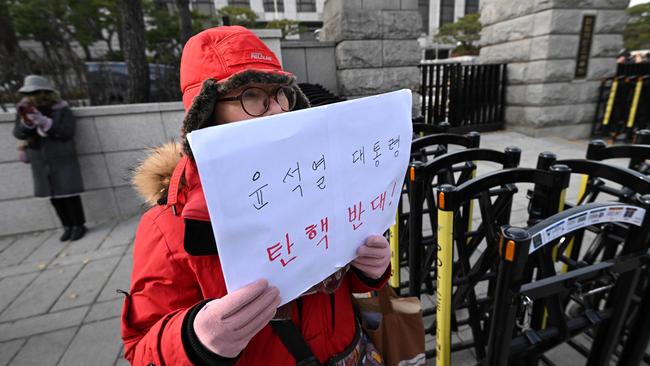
[
  {"x": 226, "y": 325},
  {"x": 43, "y": 123},
  {"x": 373, "y": 257}
]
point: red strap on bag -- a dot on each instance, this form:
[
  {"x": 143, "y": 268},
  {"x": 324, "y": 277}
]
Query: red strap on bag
[{"x": 175, "y": 182}]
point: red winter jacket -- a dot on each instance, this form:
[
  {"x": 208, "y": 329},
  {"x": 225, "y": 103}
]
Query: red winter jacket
[{"x": 167, "y": 282}]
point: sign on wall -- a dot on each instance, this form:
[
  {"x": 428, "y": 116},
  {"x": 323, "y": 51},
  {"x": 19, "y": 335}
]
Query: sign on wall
[{"x": 584, "y": 47}]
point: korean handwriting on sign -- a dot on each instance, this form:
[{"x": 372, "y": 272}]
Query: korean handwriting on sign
[
  {"x": 320, "y": 164},
  {"x": 293, "y": 175},
  {"x": 376, "y": 148},
  {"x": 259, "y": 202},
  {"x": 354, "y": 214},
  {"x": 275, "y": 251},
  {"x": 359, "y": 155},
  {"x": 312, "y": 232},
  {"x": 378, "y": 203},
  {"x": 392, "y": 146}
]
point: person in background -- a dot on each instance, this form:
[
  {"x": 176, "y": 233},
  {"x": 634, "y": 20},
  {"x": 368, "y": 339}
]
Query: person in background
[
  {"x": 178, "y": 311},
  {"x": 638, "y": 58},
  {"x": 623, "y": 57},
  {"x": 47, "y": 125}
]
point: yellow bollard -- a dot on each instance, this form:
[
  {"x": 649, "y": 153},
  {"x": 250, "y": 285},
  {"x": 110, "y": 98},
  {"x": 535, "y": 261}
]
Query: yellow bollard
[
  {"x": 393, "y": 235},
  {"x": 610, "y": 102},
  {"x": 444, "y": 279},
  {"x": 635, "y": 102}
]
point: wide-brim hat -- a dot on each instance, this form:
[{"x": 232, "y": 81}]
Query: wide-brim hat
[{"x": 34, "y": 83}]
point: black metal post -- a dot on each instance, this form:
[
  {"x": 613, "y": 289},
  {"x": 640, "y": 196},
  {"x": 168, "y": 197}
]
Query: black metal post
[
  {"x": 502, "y": 102},
  {"x": 550, "y": 201},
  {"x": 642, "y": 137},
  {"x": 416, "y": 199},
  {"x": 594, "y": 148},
  {"x": 423, "y": 91},
  {"x": 639, "y": 336},
  {"x": 444, "y": 104},
  {"x": 536, "y": 206},
  {"x": 513, "y": 157},
  {"x": 513, "y": 250},
  {"x": 466, "y": 95},
  {"x": 599, "y": 105},
  {"x": 437, "y": 102},
  {"x": 475, "y": 139},
  {"x": 608, "y": 333}
]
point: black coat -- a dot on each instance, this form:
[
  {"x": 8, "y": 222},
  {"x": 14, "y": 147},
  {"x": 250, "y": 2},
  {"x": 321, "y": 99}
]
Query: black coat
[{"x": 55, "y": 167}]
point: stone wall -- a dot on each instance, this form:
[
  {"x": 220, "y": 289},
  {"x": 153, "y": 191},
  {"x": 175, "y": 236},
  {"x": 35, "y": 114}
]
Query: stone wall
[
  {"x": 376, "y": 44},
  {"x": 311, "y": 61},
  {"x": 110, "y": 140},
  {"x": 539, "y": 40}
]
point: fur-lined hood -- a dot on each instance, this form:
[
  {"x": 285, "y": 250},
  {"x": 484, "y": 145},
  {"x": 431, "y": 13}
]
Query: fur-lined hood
[
  {"x": 151, "y": 178},
  {"x": 200, "y": 113}
]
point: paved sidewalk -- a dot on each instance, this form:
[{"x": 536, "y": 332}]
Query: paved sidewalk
[{"x": 58, "y": 303}]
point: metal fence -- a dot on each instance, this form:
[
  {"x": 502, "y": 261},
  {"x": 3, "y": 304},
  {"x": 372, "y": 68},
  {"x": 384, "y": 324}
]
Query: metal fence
[
  {"x": 622, "y": 106},
  {"x": 468, "y": 97},
  {"x": 625, "y": 69}
]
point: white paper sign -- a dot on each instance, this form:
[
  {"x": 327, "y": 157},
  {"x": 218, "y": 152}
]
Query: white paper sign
[{"x": 292, "y": 196}]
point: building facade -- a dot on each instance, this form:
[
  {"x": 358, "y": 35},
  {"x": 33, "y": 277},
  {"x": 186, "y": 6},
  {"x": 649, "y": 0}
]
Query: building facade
[
  {"x": 304, "y": 11},
  {"x": 435, "y": 14}
]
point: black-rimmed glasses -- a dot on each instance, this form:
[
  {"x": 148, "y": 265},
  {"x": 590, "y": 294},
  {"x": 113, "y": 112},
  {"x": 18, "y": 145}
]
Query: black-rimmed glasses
[{"x": 256, "y": 101}]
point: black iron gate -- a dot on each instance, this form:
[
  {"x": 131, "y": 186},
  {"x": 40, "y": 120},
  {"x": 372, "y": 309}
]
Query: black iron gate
[
  {"x": 629, "y": 69},
  {"x": 468, "y": 97}
]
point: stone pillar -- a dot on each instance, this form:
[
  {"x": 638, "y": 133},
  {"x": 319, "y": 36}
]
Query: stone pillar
[
  {"x": 376, "y": 44},
  {"x": 540, "y": 41}
]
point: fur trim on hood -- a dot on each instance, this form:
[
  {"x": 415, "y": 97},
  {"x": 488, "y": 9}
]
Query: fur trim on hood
[
  {"x": 151, "y": 178},
  {"x": 200, "y": 113}
]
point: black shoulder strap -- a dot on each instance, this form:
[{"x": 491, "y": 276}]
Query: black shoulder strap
[
  {"x": 199, "y": 238},
  {"x": 294, "y": 342}
]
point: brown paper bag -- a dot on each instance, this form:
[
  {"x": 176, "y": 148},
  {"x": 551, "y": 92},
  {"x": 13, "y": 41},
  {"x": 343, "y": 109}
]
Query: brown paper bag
[{"x": 399, "y": 337}]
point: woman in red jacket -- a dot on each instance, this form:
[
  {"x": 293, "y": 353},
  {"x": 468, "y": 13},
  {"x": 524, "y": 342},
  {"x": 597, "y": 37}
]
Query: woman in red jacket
[{"x": 178, "y": 311}]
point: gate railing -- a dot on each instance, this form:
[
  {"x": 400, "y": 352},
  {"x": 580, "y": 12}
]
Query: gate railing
[{"x": 468, "y": 97}]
